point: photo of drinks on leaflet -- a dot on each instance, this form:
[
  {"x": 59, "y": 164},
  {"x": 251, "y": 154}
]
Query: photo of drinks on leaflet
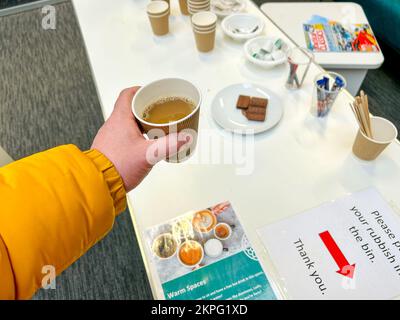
[{"x": 205, "y": 255}]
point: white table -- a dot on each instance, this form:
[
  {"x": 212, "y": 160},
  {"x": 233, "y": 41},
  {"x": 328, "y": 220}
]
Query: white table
[
  {"x": 303, "y": 162},
  {"x": 353, "y": 66}
]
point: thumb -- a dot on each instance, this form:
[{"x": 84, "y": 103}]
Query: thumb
[
  {"x": 124, "y": 102},
  {"x": 168, "y": 146}
]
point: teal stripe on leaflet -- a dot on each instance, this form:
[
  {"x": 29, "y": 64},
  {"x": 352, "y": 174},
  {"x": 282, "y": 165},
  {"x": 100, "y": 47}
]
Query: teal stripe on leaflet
[{"x": 236, "y": 277}]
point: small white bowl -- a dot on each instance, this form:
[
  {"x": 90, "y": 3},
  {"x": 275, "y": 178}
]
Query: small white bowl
[
  {"x": 239, "y": 7},
  {"x": 242, "y": 22},
  {"x": 250, "y": 47}
]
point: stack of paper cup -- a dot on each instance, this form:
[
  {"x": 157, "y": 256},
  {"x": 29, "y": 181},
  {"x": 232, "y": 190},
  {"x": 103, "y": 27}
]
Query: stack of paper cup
[
  {"x": 158, "y": 12},
  {"x": 195, "y": 6},
  {"x": 183, "y": 4},
  {"x": 204, "y": 25}
]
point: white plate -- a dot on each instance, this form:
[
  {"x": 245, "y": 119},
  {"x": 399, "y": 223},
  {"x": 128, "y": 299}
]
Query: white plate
[
  {"x": 225, "y": 113},
  {"x": 242, "y": 21},
  {"x": 240, "y": 7}
]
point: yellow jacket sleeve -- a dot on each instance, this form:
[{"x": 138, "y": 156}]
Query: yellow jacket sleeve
[{"x": 54, "y": 205}]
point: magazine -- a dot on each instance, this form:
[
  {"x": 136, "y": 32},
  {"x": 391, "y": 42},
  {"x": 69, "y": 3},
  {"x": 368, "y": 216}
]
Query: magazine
[
  {"x": 205, "y": 255},
  {"x": 323, "y": 35}
]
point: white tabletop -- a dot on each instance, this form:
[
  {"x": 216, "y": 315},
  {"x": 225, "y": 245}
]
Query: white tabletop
[
  {"x": 290, "y": 17},
  {"x": 301, "y": 163}
]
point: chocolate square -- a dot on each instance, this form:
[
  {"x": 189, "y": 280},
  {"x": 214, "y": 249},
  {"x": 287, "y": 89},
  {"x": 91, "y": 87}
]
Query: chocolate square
[
  {"x": 258, "y": 102},
  {"x": 258, "y": 110},
  {"x": 243, "y": 102},
  {"x": 255, "y": 116}
]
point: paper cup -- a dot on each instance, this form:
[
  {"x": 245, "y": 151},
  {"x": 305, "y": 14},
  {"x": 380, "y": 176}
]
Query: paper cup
[
  {"x": 193, "y": 11},
  {"x": 198, "y": 6},
  {"x": 157, "y": 8},
  {"x": 205, "y": 41},
  {"x": 204, "y": 21},
  {"x": 198, "y": 3},
  {"x": 183, "y": 5},
  {"x": 160, "y": 24},
  {"x": 384, "y": 133},
  {"x": 205, "y": 30},
  {"x": 158, "y": 13},
  {"x": 170, "y": 87},
  {"x": 194, "y": 7}
]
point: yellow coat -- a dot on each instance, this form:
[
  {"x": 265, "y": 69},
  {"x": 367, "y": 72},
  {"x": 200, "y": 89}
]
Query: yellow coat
[{"x": 54, "y": 205}]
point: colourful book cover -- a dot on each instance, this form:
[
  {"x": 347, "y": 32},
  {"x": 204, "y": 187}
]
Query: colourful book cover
[
  {"x": 323, "y": 35},
  {"x": 205, "y": 255}
]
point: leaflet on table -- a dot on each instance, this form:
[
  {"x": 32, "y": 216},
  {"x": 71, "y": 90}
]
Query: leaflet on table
[
  {"x": 205, "y": 255},
  {"x": 324, "y": 35},
  {"x": 346, "y": 249}
]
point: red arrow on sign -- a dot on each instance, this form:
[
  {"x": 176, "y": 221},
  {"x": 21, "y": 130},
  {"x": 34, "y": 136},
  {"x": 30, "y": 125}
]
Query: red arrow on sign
[{"x": 345, "y": 269}]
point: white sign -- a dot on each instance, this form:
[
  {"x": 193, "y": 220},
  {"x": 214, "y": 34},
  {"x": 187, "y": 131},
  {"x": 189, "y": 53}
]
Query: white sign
[{"x": 347, "y": 249}]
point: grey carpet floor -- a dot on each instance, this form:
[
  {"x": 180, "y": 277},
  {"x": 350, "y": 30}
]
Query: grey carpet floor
[{"x": 48, "y": 98}]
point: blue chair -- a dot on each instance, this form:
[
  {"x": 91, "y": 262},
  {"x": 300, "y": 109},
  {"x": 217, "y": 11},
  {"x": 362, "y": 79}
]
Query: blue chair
[{"x": 384, "y": 17}]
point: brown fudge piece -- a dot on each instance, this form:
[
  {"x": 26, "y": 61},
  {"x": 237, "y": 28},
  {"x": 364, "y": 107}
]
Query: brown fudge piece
[
  {"x": 243, "y": 102},
  {"x": 258, "y": 102},
  {"x": 259, "y": 110},
  {"x": 255, "y": 116}
]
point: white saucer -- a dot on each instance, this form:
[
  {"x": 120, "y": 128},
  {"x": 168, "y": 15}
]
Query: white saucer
[
  {"x": 225, "y": 113},
  {"x": 232, "y": 6}
]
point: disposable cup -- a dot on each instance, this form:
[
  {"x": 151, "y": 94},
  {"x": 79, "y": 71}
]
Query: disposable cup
[
  {"x": 159, "y": 15},
  {"x": 299, "y": 60},
  {"x": 198, "y": 9},
  {"x": 193, "y": 11},
  {"x": 204, "y": 19},
  {"x": 205, "y": 41},
  {"x": 324, "y": 99},
  {"x": 164, "y": 88},
  {"x": 383, "y": 132},
  {"x": 157, "y": 8},
  {"x": 206, "y": 29},
  {"x": 183, "y": 5},
  {"x": 198, "y": 3},
  {"x": 160, "y": 24}
]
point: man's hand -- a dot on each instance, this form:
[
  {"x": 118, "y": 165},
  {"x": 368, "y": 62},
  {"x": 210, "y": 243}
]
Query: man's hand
[{"x": 122, "y": 142}]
